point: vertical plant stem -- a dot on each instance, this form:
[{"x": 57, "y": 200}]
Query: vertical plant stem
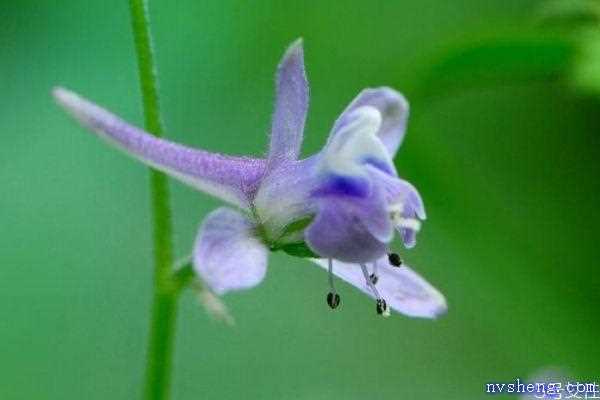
[{"x": 164, "y": 303}]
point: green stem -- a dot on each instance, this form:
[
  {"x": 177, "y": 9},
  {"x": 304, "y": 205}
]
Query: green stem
[
  {"x": 183, "y": 275},
  {"x": 164, "y": 304}
]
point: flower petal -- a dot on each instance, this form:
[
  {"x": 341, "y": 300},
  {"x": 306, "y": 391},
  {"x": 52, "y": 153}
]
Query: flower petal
[
  {"x": 394, "y": 111},
  {"x": 227, "y": 256},
  {"x": 357, "y": 200},
  {"x": 404, "y": 290},
  {"x": 284, "y": 196},
  {"x": 233, "y": 179},
  {"x": 291, "y": 106},
  {"x": 399, "y": 190},
  {"x": 356, "y": 144},
  {"x": 344, "y": 229}
]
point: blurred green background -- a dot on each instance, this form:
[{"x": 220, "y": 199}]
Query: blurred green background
[{"x": 503, "y": 144}]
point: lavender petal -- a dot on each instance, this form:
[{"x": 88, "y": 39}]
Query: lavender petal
[
  {"x": 394, "y": 111},
  {"x": 233, "y": 179},
  {"x": 226, "y": 255},
  {"x": 339, "y": 231},
  {"x": 403, "y": 289},
  {"x": 284, "y": 196},
  {"x": 291, "y": 106},
  {"x": 399, "y": 190},
  {"x": 357, "y": 201}
]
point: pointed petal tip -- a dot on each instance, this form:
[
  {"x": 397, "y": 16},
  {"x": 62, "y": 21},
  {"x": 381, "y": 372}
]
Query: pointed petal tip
[
  {"x": 63, "y": 96},
  {"x": 294, "y": 50},
  {"x": 66, "y": 97},
  {"x": 437, "y": 308},
  {"x": 291, "y": 106},
  {"x": 440, "y": 311},
  {"x": 297, "y": 44},
  {"x": 405, "y": 291},
  {"x": 74, "y": 104},
  {"x": 428, "y": 302}
]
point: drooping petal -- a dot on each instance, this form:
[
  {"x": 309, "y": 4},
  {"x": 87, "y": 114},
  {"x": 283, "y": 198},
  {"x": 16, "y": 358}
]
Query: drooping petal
[
  {"x": 233, "y": 179},
  {"x": 394, "y": 111},
  {"x": 227, "y": 256},
  {"x": 291, "y": 106},
  {"x": 403, "y": 289}
]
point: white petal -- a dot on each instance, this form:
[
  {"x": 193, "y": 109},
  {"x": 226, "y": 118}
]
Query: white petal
[
  {"x": 403, "y": 289},
  {"x": 355, "y": 143},
  {"x": 227, "y": 256},
  {"x": 394, "y": 110}
]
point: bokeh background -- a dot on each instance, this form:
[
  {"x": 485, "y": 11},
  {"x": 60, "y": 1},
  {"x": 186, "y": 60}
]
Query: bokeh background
[{"x": 503, "y": 144}]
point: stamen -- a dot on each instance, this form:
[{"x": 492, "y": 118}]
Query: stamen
[
  {"x": 407, "y": 223},
  {"x": 363, "y": 267},
  {"x": 374, "y": 277},
  {"x": 382, "y": 308},
  {"x": 333, "y": 299},
  {"x": 396, "y": 215},
  {"x": 395, "y": 259},
  {"x": 381, "y": 305}
]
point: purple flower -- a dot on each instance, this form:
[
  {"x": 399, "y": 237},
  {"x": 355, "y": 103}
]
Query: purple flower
[{"x": 341, "y": 205}]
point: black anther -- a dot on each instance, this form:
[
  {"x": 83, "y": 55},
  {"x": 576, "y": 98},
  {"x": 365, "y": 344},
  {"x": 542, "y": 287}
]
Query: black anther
[
  {"x": 333, "y": 300},
  {"x": 373, "y": 278},
  {"x": 395, "y": 259},
  {"x": 381, "y": 306}
]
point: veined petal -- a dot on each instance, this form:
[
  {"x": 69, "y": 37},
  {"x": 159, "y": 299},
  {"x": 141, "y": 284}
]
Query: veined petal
[
  {"x": 403, "y": 289},
  {"x": 227, "y": 256},
  {"x": 233, "y": 179},
  {"x": 291, "y": 106},
  {"x": 394, "y": 111}
]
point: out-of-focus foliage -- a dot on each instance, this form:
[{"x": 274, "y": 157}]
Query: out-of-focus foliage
[
  {"x": 569, "y": 13},
  {"x": 586, "y": 71},
  {"x": 580, "y": 21},
  {"x": 496, "y": 60}
]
